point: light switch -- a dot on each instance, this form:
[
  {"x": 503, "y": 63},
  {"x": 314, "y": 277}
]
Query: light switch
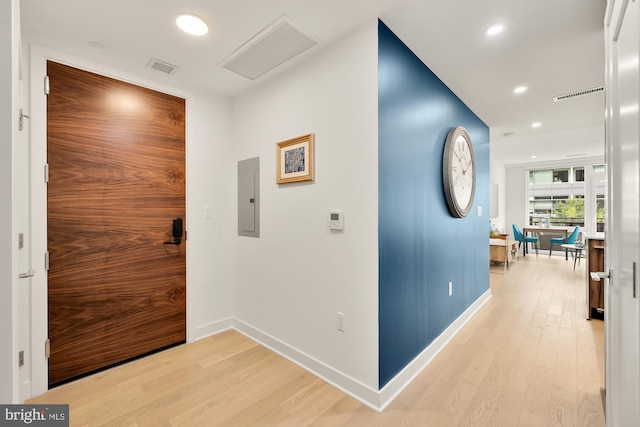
[
  {"x": 206, "y": 212},
  {"x": 479, "y": 210}
]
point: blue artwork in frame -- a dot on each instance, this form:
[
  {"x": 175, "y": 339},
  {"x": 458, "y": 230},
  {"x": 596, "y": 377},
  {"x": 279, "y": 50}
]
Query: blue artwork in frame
[{"x": 294, "y": 160}]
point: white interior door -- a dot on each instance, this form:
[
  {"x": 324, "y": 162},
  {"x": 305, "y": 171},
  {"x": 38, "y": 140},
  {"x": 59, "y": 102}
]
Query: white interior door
[{"x": 622, "y": 299}]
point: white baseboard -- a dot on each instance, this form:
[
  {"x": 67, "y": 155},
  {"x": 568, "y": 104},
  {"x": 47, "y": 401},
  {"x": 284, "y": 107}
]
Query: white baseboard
[
  {"x": 398, "y": 383},
  {"x": 346, "y": 384},
  {"x": 25, "y": 391},
  {"x": 210, "y": 329},
  {"x": 377, "y": 400}
]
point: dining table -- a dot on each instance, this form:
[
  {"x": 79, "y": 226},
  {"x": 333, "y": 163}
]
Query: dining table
[{"x": 537, "y": 230}]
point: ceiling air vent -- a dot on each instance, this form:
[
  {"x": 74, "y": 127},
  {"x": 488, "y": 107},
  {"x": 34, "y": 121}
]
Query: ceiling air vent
[
  {"x": 158, "y": 65},
  {"x": 275, "y": 45},
  {"x": 578, "y": 93}
]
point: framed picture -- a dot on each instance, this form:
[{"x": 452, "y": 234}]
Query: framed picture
[{"x": 294, "y": 160}]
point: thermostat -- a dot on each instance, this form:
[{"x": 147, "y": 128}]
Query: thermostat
[{"x": 336, "y": 220}]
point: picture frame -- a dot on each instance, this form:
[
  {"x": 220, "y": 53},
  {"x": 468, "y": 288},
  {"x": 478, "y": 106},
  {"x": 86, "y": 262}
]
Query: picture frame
[{"x": 295, "y": 159}]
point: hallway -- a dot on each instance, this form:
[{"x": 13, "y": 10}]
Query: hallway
[{"x": 528, "y": 358}]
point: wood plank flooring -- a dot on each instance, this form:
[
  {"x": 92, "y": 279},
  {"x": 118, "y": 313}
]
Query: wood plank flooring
[{"x": 528, "y": 358}]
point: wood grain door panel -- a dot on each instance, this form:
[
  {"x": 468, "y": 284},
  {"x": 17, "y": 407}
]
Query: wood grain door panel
[{"x": 116, "y": 155}]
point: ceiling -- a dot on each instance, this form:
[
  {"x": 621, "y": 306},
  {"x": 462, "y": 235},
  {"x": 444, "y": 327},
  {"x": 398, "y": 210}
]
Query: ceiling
[{"x": 551, "y": 46}]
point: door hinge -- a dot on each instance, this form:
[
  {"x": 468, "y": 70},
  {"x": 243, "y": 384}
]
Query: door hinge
[
  {"x": 46, "y": 261},
  {"x": 21, "y": 358},
  {"x": 46, "y": 85},
  {"x": 47, "y": 348},
  {"x": 46, "y": 173},
  {"x": 185, "y": 235}
]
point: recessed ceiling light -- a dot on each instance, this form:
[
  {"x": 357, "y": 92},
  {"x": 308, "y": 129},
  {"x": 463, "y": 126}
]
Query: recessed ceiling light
[
  {"x": 191, "y": 24},
  {"x": 496, "y": 29},
  {"x": 536, "y": 124},
  {"x": 534, "y": 157},
  {"x": 520, "y": 89}
]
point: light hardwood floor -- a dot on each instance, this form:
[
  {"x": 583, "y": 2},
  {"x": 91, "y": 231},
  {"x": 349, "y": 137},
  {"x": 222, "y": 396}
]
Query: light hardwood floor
[{"x": 528, "y": 358}]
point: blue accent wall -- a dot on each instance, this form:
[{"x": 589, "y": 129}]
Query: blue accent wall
[{"x": 421, "y": 246}]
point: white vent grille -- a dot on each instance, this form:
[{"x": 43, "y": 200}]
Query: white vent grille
[
  {"x": 578, "y": 93},
  {"x": 274, "y": 46},
  {"x": 162, "y": 66}
]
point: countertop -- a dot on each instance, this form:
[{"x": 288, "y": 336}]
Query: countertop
[{"x": 594, "y": 236}]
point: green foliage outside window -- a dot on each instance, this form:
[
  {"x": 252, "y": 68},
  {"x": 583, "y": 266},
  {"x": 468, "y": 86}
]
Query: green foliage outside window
[
  {"x": 571, "y": 209},
  {"x": 574, "y": 209},
  {"x": 600, "y": 215}
]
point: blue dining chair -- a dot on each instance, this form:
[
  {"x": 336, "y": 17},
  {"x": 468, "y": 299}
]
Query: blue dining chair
[
  {"x": 517, "y": 235},
  {"x": 570, "y": 239}
]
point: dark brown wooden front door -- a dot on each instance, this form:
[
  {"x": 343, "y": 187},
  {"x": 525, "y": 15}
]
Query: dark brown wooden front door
[{"x": 116, "y": 155}]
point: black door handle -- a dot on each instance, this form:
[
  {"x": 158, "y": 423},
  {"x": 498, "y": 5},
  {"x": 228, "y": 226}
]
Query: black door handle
[{"x": 176, "y": 232}]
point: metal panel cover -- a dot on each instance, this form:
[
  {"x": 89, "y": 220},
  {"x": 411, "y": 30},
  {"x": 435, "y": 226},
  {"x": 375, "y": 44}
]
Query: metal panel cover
[{"x": 249, "y": 197}]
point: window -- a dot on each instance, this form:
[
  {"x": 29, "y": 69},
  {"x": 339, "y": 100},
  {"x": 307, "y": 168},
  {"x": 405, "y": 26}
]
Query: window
[
  {"x": 561, "y": 175},
  {"x": 556, "y": 196},
  {"x": 548, "y": 176},
  {"x": 599, "y": 179},
  {"x": 600, "y": 201},
  {"x": 568, "y": 197},
  {"x": 540, "y": 177}
]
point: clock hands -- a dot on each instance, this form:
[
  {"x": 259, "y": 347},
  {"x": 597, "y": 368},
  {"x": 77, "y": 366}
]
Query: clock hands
[
  {"x": 464, "y": 170},
  {"x": 466, "y": 165}
]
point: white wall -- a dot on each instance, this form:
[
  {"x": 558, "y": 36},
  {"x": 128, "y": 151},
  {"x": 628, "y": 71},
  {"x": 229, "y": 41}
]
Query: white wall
[
  {"x": 497, "y": 176},
  {"x": 516, "y": 198},
  {"x": 294, "y": 278},
  {"x": 210, "y": 181},
  {"x": 9, "y": 138}
]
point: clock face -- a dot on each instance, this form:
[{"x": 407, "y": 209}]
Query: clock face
[{"x": 459, "y": 172}]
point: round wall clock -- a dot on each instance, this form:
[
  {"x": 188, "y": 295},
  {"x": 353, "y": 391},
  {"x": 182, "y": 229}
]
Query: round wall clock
[{"x": 459, "y": 172}]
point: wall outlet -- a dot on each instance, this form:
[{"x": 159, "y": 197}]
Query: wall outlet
[
  {"x": 450, "y": 288},
  {"x": 340, "y": 321}
]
